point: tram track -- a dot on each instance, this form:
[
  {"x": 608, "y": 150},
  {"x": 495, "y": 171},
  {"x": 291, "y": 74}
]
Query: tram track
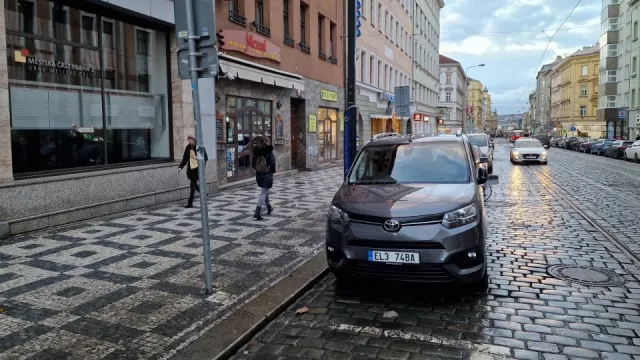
[{"x": 552, "y": 187}]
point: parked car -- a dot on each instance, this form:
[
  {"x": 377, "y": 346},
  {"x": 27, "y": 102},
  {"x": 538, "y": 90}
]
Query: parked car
[
  {"x": 603, "y": 149},
  {"x": 556, "y": 142},
  {"x": 632, "y": 152},
  {"x": 585, "y": 147},
  {"x": 599, "y": 147},
  {"x": 440, "y": 238},
  {"x": 568, "y": 143},
  {"x": 486, "y": 146},
  {"x": 617, "y": 148},
  {"x": 544, "y": 139}
]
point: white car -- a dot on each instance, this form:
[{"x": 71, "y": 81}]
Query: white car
[
  {"x": 528, "y": 151},
  {"x": 633, "y": 152}
]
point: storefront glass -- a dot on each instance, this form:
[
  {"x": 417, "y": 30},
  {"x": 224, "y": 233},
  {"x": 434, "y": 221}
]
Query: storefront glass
[
  {"x": 84, "y": 90},
  {"x": 327, "y": 134},
  {"x": 385, "y": 125}
]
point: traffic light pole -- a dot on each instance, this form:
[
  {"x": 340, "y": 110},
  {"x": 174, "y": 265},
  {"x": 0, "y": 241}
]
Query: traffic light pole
[{"x": 351, "y": 112}]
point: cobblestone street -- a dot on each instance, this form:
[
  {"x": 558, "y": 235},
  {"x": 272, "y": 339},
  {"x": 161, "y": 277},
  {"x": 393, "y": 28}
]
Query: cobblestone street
[
  {"x": 576, "y": 217},
  {"x": 132, "y": 285}
]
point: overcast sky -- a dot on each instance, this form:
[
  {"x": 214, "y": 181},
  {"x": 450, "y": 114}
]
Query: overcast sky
[{"x": 506, "y": 35}]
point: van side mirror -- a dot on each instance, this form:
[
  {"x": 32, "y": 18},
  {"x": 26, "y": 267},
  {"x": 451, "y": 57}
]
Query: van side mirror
[
  {"x": 493, "y": 180},
  {"x": 484, "y": 160},
  {"x": 483, "y": 175},
  {"x": 546, "y": 146}
]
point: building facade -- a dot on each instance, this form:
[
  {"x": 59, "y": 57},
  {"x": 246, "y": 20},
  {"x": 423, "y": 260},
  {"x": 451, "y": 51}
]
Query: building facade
[
  {"x": 617, "y": 39},
  {"x": 543, "y": 97},
  {"x": 634, "y": 81},
  {"x": 426, "y": 63},
  {"x": 487, "y": 108},
  {"x": 452, "y": 93},
  {"x": 530, "y": 124},
  {"x": 383, "y": 61},
  {"x": 98, "y": 116},
  {"x": 574, "y": 94},
  {"x": 476, "y": 105}
]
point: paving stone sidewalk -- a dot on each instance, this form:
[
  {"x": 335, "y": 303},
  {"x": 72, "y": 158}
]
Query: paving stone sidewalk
[
  {"x": 527, "y": 313},
  {"x": 131, "y": 286}
]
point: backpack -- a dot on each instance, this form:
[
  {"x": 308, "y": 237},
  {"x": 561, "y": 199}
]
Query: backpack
[{"x": 262, "y": 165}]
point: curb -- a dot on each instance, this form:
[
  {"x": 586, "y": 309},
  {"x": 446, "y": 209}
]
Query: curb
[{"x": 227, "y": 337}]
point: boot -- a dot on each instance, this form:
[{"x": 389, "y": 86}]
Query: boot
[
  {"x": 269, "y": 209},
  {"x": 257, "y": 215},
  {"x": 189, "y": 205}
]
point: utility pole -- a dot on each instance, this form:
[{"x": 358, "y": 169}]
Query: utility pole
[
  {"x": 351, "y": 111},
  {"x": 198, "y": 59}
]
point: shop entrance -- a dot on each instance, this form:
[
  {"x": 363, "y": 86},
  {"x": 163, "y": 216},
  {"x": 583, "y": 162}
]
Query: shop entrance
[
  {"x": 246, "y": 119},
  {"x": 327, "y": 134}
]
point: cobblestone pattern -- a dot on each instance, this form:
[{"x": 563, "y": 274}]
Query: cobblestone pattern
[
  {"x": 526, "y": 314},
  {"x": 606, "y": 189},
  {"x": 132, "y": 285}
]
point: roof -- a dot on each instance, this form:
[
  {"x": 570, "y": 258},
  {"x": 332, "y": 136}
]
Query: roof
[
  {"x": 448, "y": 60},
  {"x": 588, "y": 50}
]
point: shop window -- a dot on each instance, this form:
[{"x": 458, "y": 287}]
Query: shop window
[{"x": 75, "y": 105}]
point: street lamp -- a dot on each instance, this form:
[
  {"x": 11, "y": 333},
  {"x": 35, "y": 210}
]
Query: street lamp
[{"x": 467, "y": 92}]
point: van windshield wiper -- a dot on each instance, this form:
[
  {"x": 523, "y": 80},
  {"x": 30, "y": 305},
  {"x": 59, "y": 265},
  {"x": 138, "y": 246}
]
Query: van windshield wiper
[{"x": 372, "y": 182}]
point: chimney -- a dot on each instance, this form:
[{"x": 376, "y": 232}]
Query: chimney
[{"x": 558, "y": 57}]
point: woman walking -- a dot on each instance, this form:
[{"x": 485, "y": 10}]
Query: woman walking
[
  {"x": 264, "y": 163},
  {"x": 189, "y": 158}
]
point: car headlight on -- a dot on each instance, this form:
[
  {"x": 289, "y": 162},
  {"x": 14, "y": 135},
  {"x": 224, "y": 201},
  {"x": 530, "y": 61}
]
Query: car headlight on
[
  {"x": 515, "y": 153},
  {"x": 338, "y": 216},
  {"x": 460, "y": 217}
]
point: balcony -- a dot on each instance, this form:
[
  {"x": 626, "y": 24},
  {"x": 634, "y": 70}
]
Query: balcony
[
  {"x": 333, "y": 60},
  {"x": 261, "y": 29},
  {"x": 289, "y": 41},
  {"x": 234, "y": 17},
  {"x": 322, "y": 56},
  {"x": 304, "y": 47}
]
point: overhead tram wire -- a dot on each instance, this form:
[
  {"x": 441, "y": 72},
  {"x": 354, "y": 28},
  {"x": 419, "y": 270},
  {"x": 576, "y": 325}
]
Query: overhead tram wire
[
  {"x": 502, "y": 32},
  {"x": 544, "y": 53}
]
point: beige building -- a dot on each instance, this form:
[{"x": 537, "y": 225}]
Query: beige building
[
  {"x": 574, "y": 94},
  {"x": 488, "y": 115},
  {"x": 383, "y": 61},
  {"x": 476, "y": 104}
]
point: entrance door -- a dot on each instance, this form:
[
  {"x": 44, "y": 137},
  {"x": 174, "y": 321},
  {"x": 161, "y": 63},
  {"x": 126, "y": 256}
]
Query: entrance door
[
  {"x": 247, "y": 123},
  {"x": 325, "y": 140}
]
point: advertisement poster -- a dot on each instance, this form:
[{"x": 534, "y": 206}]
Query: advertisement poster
[{"x": 313, "y": 123}]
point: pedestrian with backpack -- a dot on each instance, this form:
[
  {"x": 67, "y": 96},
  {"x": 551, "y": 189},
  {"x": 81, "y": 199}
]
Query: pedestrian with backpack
[
  {"x": 264, "y": 164},
  {"x": 190, "y": 160}
]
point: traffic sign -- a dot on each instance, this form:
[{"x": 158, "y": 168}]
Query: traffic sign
[
  {"x": 638, "y": 119},
  {"x": 204, "y": 24},
  {"x": 573, "y": 128},
  {"x": 403, "y": 101}
]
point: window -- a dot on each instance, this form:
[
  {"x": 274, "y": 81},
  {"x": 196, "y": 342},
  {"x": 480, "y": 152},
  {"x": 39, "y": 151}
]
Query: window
[
  {"x": 634, "y": 65},
  {"x": 94, "y": 107},
  {"x": 303, "y": 25},
  {"x": 260, "y": 12},
  {"x": 612, "y": 50},
  {"x": 583, "y": 110},
  {"x": 365, "y": 8},
  {"x": 583, "y": 90},
  {"x": 585, "y": 70},
  {"x": 380, "y": 18},
  {"x": 633, "y": 98},
  {"x": 379, "y": 82},
  {"x": 371, "y": 72},
  {"x": 332, "y": 35},
  {"x": 363, "y": 66},
  {"x": 611, "y": 101},
  {"x": 372, "y": 12},
  {"x": 285, "y": 18},
  {"x": 635, "y": 30},
  {"x": 320, "y": 31},
  {"x": 447, "y": 96},
  {"x": 448, "y": 78}
]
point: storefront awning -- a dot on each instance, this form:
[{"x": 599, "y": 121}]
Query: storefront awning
[{"x": 242, "y": 69}]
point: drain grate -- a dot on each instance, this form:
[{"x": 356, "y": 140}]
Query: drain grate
[{"x": 586, "y": 275}]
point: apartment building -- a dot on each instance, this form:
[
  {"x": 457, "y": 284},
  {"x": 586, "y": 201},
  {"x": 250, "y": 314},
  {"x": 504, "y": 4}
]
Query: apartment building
[
  {"x": 574, "y": 98},
  {"x": 476, "y": 105},
  {"x": 634, "y": 81},
  {"x": 543, "y": 97},
  {"x": 383, "y": 61},
  {"x": 453, "y": 90},
  {"x": 487, "y": 109},
  {"x": 426, "y": 62},
  {"x": 99, "y": 115},
  {"x": 617, "y": 39}
]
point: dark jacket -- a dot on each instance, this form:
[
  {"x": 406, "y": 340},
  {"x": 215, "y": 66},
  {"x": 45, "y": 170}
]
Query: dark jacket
[
  {"x": 264, "y": 180},
  {"x": 192, "y": 174}
]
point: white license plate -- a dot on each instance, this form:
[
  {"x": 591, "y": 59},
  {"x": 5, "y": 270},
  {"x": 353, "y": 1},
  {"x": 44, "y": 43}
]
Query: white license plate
[
  {"x": 393, "y": 257},
  {"x": 530, "y": 157}
]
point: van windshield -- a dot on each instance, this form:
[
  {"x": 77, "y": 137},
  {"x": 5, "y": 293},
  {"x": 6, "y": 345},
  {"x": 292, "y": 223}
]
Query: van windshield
[{"x": 415, "y": 163}]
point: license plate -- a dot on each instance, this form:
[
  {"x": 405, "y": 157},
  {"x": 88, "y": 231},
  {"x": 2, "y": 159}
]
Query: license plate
[
  {"x": 530, "y": 157},
  {"x": 394, "y": 257}
]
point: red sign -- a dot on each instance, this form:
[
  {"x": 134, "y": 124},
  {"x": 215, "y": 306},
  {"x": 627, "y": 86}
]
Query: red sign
[
  {"x": 417, "y": 117},
  {"x": 250, "y": 44}
]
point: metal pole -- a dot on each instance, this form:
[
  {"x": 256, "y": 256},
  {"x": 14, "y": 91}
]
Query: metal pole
[
  {"x": 351, "y": 112},
  {"x": 204, "y": 212}
]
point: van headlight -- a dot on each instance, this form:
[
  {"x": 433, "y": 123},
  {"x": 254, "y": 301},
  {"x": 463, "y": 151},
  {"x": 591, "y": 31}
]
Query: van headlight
[
  {"x": 338, "y": 216},
  {"x": 460, "y": 217}
]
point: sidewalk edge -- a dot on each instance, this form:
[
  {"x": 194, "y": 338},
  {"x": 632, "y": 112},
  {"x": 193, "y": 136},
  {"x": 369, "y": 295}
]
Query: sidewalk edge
[{"x": 227, "y": 337}]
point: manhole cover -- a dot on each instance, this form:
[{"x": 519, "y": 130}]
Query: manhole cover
[{"x": 586, "y": 275}]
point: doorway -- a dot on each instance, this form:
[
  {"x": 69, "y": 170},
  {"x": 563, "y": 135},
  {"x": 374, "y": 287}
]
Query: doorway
[
  {"x": 327, "y": 134},
  {"x": 298, "y": 131},
  {"x": 246, "y": 119}
]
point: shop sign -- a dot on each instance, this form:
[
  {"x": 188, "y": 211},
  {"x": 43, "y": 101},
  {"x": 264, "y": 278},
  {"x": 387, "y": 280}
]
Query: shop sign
[
  {"x": 622, "y": 114},
  {"x": 313, "y": 123},
  {"x": 250, "y": 44},
  {"x": 420, "y": 117},
  {"x": 329, "y": 95},
  {"x": 388, "y": 97},
  {"x": 341, "y": 116},
  {"x": 52, "y": 66}
]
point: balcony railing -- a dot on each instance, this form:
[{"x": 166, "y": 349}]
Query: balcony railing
[
  {"x": 322, "y": 56},
  {"x": 289, "y": 41},
  {"x": 333, "y": 60},
  {"x": 261, "y": 29},
  {"x": 304, "y": 47},
  {"x": 237, "y": 18}
]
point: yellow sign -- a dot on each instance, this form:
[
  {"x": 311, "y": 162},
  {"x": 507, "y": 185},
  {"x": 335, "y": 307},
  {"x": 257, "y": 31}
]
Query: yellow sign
[
  {"x": 313, "y": 123},
  {"x": 329, "y": 95},
  {"x": 341, "y": 121}
]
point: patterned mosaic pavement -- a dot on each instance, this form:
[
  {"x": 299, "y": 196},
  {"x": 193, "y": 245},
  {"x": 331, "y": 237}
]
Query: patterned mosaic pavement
[{"x": 131, "y": 286}]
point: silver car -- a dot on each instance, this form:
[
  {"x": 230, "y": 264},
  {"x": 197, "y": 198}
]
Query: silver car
[
  {"x": 528, "y": 151},
  {"x": 483, "y": 141}
]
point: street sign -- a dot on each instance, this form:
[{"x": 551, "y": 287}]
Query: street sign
[
  {"x": 573, "y": 128},
  {"x": 638, "y": 119},
  {"x": 204, "y": 24},
  {"x": 207, "y": 63},
  {"x": 403, "y": 101}
]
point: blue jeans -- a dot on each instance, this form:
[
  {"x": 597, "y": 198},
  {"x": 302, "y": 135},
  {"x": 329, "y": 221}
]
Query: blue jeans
[{"x": 264, "y": 198}]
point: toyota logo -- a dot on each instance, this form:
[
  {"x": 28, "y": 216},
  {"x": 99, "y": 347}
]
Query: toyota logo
[{"x": 391, "y": 225}]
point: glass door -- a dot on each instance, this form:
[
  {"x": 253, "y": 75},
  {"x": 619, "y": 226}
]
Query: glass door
[{"x": 243, "y": 157}]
